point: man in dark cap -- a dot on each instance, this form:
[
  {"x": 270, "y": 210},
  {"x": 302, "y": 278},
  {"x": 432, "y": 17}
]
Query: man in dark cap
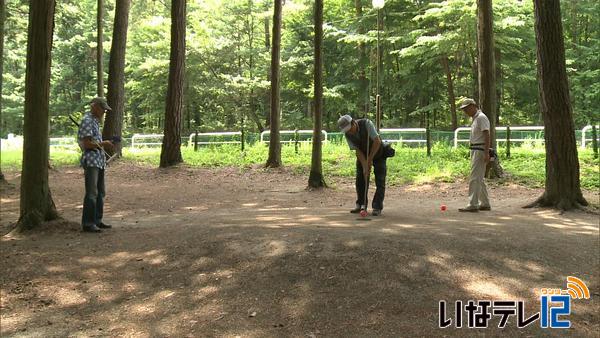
[
  {"x": 93, "y": 161},
  {"x": 364, "y": 139}
]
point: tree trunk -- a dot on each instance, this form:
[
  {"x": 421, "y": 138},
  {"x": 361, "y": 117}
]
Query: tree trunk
[
  {"x": 99, "y": 50},
  {"x": 37, "y": 205},
  {"x": 563, "y": 190},
  {"x": 113, "y": 122},
  {"x": 267, "y": 98},
  {"x": 274, "y": 159},
  {"x": 2, "y": 19},
  {"x": 315, "y": 180},
  {"x": 450, "y": 87},
  {"x": 171, "y": 145},
  {"x": 487, "y": 74},
  {"x": 363, "y": 82}
]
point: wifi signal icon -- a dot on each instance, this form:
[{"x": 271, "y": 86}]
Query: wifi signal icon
[{"x": 577, "y": 288}]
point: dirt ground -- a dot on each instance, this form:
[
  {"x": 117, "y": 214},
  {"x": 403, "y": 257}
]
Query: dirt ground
[{"x": 251, "y": 253}]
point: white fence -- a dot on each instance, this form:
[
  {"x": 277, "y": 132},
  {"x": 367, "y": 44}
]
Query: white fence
[
  {"x": 516, "y": 128},
  {"x": 287, "y": 132},
  {"x": 584, "y": 131},
  {"x": 399, "y": 132},
  {"x": 217, "y": 134},
  {"x": 140, "y": 140}
]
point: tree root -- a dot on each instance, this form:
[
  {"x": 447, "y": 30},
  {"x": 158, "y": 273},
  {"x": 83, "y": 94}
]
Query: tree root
[{"x": 562, "y": 204}]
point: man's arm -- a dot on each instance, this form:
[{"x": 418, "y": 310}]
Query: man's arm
[
  {"x": 374, "y": 149},
  {"x": 486, "y": 135},
  {"x": 88, "y": 144}
]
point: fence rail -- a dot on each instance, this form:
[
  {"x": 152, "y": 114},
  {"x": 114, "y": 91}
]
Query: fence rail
[
  {"x": 191, "y": 140},
  {"x": 515, "y": 128},
  {"x": 395, "y": 135},
  {"x": 298, "y": 132},
  {"x": 399, "y": 131}
]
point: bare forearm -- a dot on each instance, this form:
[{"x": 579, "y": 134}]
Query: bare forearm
[
  {"x": 361, "y": 157},
  {"x": 486, "y": 134},
  {"x": 374, "y": 149}
]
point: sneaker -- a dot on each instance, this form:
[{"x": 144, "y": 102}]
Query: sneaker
[
  {"x": 468, "y": 209},
  {"x": 376, "y": 212},
  {"x": 91, "y": 228},
  {"x": 485, "y": 208},
  {"x": 355, "y": 210},
  {"x": 104, "y": 226}
]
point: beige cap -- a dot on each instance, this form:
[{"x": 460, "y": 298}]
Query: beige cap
[{"x": 467, "y": 102}]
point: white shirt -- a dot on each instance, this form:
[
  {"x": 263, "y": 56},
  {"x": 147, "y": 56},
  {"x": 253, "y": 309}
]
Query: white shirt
[{"x": 479, "y": 125}]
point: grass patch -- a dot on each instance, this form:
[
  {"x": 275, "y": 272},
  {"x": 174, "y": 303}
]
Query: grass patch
[{"x": 410, "y": 165}]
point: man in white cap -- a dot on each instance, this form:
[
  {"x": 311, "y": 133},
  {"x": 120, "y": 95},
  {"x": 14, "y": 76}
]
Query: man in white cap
[
  {"x": 93, "y": 162},
  {"x": 364, "y": 139},
  {"x": 480, "y": 156}
]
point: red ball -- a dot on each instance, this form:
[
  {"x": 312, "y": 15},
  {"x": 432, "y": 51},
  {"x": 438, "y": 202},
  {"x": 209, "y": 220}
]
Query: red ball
[
  {"x": 363, "y": 213},
  {"x": 443, "y": 207}
]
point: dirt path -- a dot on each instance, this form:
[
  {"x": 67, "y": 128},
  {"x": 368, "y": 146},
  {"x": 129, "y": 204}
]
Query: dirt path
[{"x": 247, "y": 253}]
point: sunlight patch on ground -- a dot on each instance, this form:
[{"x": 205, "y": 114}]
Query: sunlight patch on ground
[
  {"x": 54, "y": 268},
  {"x": 276, "y": 248},
  {"x": 488, "y": 223},
  {"x": 65, "y": 297},
  {"x": 406, "y": 226},
  {"x": 488, "y": 288},
  {"x": 389, "y": 231},
  {"x": 271, "y": 218}
]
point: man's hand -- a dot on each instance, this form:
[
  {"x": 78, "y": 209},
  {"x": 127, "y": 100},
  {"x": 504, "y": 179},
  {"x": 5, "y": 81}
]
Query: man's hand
[
  {"x": 107, "y": 145},
  {"x": 367, "y": 168}
]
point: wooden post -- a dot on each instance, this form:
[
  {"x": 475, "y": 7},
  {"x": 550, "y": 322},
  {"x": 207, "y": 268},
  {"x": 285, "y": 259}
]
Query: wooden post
[
  {"x": 507, "y": 141},
  {"x": 428, "y": 136},
  {"x": 243, "y": 136},
  {"x": 595, "y": 140},
  {"x": 196, "y": 141},
  {"x": 296, "y": 140}
]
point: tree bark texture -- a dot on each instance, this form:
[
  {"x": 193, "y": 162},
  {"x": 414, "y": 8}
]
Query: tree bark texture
[
  {"x": 36, "y": 201},
  {"x": 171, "y": 146},
  {"x": 315, "y": 179},
  {"x": 100, "y": 50},
  {"x": 274, "y": 159},
  {"x": 563, "y": 190},
  {"x": 113, "y": 122}
]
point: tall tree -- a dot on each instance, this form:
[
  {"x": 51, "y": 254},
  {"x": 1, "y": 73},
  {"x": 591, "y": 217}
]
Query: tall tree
[
  {"x": 171, "y": 145},
  {"x": 363, "y": 82},
  {"x": 315, "y": 180},
  {"x": 274, "y": 159},
  {"x": 113, "y": 123},
  {"x": 37, "y": 205},
  {"x": 450, "y": 88},
  {"x": 2, "y": 19},
  {"x": 487, "y": 72},
  {"x": 563, "y": 190},
  {"x": 99, "y": 50}
]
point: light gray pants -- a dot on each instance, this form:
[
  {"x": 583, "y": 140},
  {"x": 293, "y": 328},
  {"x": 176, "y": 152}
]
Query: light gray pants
[{"x": 478, "y": 196}]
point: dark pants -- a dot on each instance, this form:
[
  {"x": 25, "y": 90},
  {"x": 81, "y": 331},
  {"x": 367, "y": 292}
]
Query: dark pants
[
  {"x": 93, "y": 202},
  {"x": 380, "y": 169}
]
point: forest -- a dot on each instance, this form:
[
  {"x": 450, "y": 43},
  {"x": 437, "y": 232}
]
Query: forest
[{"x": 428, "y": 62}]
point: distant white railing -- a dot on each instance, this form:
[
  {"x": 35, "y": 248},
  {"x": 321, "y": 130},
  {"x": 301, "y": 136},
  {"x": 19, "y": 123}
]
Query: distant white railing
[
  {"x": 300, "y": 132},
  {"x": 404, "y": 130},
  {"x": 136, "y": 140},
  {"x": 225, "y": 133},
  {"x": 63, "y": 142},
  {"x": 516, "y": 128},
  {"x": 584, "y": 139}
]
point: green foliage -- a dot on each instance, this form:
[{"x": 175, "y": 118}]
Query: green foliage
[
  {"x": 228, "y": 59},
  {"x": 410, "y": 165}
]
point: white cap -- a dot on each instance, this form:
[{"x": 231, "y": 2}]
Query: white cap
[{"x": 467, "y": 102}]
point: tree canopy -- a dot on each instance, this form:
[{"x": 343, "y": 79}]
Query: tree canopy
[{"x": 228, "y": 60}]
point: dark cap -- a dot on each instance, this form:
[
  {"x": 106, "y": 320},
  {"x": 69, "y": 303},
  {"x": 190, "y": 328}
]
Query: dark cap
[{"x": 102, "y": 102}]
